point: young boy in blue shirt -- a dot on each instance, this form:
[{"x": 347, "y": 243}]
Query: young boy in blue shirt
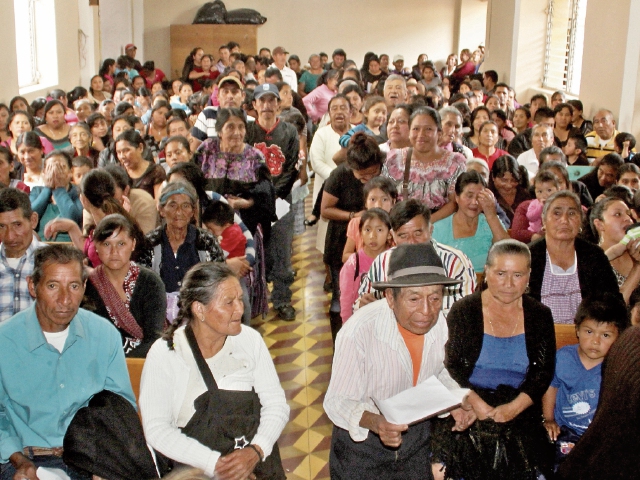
[{"x": 570, "y": 402}]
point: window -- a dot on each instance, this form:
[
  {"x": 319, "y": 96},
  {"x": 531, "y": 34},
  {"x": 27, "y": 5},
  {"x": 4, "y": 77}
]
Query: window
[
  {"x": 564, "y": 45},
  {"x": 35, "y": 44}
]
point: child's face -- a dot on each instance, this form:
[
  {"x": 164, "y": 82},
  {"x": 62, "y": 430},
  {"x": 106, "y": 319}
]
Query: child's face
[
  {"x": 544, "y": 190},
  {"x": 78, "y": 173},
  {"x": 595, "y": 339},
  {"x": 217, "y": 230},
  {"x": 379, "y": 199},
  {"x": 570, "y": 148},
  {"x": 631, "y": 180},
  {"x": 377, "y": 115},
  {"x": 375, "y": 234}
]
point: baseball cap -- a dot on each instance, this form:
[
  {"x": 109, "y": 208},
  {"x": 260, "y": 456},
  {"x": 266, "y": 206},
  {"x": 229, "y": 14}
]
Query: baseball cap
[
  {"x": 278, "y": 50},
  {"x": 129, "y": 46},
  {"x": 397, "y": 58},
  {"x": 266, "y": 89},
  {"x": 230, "y": 78}
]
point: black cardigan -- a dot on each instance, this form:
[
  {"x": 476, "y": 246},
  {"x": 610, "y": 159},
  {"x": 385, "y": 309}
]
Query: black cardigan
[
  {"x": 148, "y": 306},
  {"x": 466, "y": 331},
  {"x": 594, "y": 270}
]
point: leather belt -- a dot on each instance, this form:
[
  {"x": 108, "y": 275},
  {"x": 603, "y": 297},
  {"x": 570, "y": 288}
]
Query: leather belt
[{"x": 42, "y": 451}]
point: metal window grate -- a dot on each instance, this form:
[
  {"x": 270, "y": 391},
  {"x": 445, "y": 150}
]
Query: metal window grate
[{"x": 26, "y": 43}]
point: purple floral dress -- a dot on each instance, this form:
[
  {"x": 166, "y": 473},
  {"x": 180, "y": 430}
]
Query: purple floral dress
[{"x": 431, "y": 184}]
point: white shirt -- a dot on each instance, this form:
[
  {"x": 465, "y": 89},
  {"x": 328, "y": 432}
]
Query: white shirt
[
  {"x": 371, "y": 360},
  {"x": 171, "y": 382},
  {"x": 529, "y": 160},
  {"x": 288, "y": 76},
  {"x": 57, "y": 339}
]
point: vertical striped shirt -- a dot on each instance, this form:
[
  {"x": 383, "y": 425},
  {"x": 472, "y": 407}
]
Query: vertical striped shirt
[
  {"x": 371, "y": 361},
  {"x": 456, "y": 264},
  {"x": 14, "y": 290}
]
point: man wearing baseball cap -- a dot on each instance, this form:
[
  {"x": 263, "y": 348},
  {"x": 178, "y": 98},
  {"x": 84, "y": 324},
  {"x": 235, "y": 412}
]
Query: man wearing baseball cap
[
  {"x": 130, "y": 51},
  {"x": 279, "y": 55},
  {"x": 230, "y": 95},
  {"x": 278, "y": 141},
  {"x": 385, "y": 348}
]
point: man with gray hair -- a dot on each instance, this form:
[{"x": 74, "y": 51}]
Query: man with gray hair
[
  {"x": 394, "y": 91},
  {"x": 541, "y": 138},
  {"x": 600, "y": 142}
]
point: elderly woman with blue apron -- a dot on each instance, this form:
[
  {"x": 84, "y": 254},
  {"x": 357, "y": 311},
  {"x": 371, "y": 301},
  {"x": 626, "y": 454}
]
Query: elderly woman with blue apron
[{"x": 210, "y": 396}]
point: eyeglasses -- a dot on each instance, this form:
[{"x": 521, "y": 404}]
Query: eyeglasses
[{"x": 174, "y": 206}]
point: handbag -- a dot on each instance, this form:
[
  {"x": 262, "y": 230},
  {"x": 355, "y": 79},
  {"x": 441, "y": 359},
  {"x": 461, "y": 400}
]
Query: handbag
[{"x": 405, "y": 180}]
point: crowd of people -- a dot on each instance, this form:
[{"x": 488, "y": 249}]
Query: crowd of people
[{"x": 150, "y": 217}]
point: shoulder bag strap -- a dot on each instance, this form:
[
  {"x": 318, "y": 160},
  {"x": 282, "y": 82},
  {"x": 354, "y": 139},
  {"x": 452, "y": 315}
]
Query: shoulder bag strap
[
  {"x": 205, "y": 371},
  {"x": 405, "y": 181}
]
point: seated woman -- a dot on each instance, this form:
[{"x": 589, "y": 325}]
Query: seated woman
[
  {"x": 509, "y": 184},
  {"x": 501, "y": 346},
  {"x": 18, "y": 123},
  {"x": 429, "y": 171},
  {"x": 564, "y": 268},
  {"x": 58, "y": 197},
  {"x": 213, "y": 381},
  {"x": 475, "y": 226},
  {"x": 144, "y": 174},
  {"x": 129, "y": 296},
  {"x": 99, "y": 199},
  {"x": 156, "y": 129},
  {"x": 609, "y": 220},
  {"x": 31, "y": 159},
  {"x": 177, "y": 245},
  {"x": 238, "y": 171},
  {"x": 81, "y": 142},
  {"x": 478, "y": 117},
  {"x": 6, "y": 169},
  {"x": 55, "y": 128},
  {"x": 488, "y": 139}
]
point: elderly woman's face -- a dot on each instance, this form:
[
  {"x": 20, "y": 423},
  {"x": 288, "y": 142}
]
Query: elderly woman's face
[
  {"x": 178, "y": 211},
  {"x": 223, "y": 315},
  {"x": 507, "y": 278},
  {"x": 563, "y": 219},
  {"x": 115, "y": 252},
  {"x": 232, "y": 134}
]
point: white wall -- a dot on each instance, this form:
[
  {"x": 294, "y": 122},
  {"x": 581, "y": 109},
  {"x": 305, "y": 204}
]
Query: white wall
[
  {"x": 408, "y": 27},
  {"x": 9, "y": 83},
  {"x": 88, "y": 41}
]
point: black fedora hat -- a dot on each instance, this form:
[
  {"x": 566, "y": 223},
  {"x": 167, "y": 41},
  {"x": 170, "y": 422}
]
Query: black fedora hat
[{"x": 415, "y": 266}]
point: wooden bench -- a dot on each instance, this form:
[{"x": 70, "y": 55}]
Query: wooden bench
[
  {"x": 565, "y": 335},
  {"x": 134, "y": 365}
]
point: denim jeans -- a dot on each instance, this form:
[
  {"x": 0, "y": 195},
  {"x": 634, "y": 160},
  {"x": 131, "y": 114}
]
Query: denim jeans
[{"x": 278, "y": 253}]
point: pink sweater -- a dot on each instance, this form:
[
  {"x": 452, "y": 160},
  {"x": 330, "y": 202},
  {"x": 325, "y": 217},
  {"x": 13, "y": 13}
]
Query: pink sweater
[
  {"x": 349, "y": 285},
  {"x": 317, "y": 102}
]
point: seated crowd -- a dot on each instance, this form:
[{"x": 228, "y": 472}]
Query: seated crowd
[{"x": 145, "y": 217}]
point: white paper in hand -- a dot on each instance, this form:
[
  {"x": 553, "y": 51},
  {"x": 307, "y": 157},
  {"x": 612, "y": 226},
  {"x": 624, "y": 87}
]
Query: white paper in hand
[
  {"x": 428, "y": 399},
  {"x": 44, "y": 473}
]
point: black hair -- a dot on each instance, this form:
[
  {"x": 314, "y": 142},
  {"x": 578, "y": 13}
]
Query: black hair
[
  {"x": 385, "y": 184},
  {"x": 603, "y": 307},
  {"x": 493, "y": 75},
  {"x": 505, "y": 164},
  {"x": 468, "y": 178},
  {"x": 119, "y": 175},
  {"x": 403, "y": 212},
  {"x": 16, "y": 99},
  {"x": 104, "y": 68},
  {"x": 363, "y": 152},
  {"x": 542, "y": 113},
  {"x": 121, "y": 108},
  {"x": 342, "y": 96},
  {"x": 552, "y": 150},
  {"x": 56, "y": 253},
  {"x": 546, "y": 176},
  {"x": 219, "y": 213},
  {"x": 177, "y": 138},
  {"x": 7, "y": 153},
  {"x": 500, "y": 114},
  {"x": 624, "y": 137},
  {"x": 628, "y": 168},
  {"x": 76, "y": 94},
  {"x": 61, "y": 153},
  {"x": 50, "y": 104},
  {"x": 553, "y": 165},
  {"x": 474, "y": 114},
  {"x": 273, "y": 72},
  {"x": 611, "y": 160},
  {"x": 81, "y": 161},
  {"x": 132, "y": 137},
  {"x": 580, "y": 141},
  {"x": 378, "y": 213},
  {"x": 30, "y": 139},
  {"x": 194, "y": 176},
  {"x": 428, "y": 111},
  {"x": 13, "y": 115},
  {"x": 224, "y": 114},
  {"x": 12, "y": 199}
]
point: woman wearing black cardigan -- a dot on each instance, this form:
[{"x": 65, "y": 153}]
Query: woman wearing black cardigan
[{"x": 502, "y": 347}]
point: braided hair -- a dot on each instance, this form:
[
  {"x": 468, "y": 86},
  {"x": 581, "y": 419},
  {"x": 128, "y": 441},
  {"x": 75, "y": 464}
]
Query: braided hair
[{"x": 200, "y": 284}]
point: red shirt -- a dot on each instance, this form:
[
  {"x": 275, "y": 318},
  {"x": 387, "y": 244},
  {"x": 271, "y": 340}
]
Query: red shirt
[
  {"x": 491, "y": 159},
  {"x": 233, "y": 241}
]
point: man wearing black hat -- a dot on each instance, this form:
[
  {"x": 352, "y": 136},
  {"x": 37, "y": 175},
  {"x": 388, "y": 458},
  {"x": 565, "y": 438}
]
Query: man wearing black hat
[
  {"x": 279, "y": 143},
  {"x": 385, "y": 348}
]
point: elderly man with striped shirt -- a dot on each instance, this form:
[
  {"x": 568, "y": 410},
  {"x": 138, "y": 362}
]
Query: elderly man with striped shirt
[
  {"x": 411, "y": 224},
  {"x": 385, "y": 348}
]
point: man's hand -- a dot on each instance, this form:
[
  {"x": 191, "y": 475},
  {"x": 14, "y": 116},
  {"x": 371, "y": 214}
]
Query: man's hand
[
  {"x": 390, "y": 434},
  {"x": 464, "y": 419},
  {"x": 238, "y": 465},
  {"x": 25, "y": 469},
  {"x": 367, "y": 298}
]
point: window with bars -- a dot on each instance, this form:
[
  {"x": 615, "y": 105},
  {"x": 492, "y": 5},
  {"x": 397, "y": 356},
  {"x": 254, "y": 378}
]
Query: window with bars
[
  {"x": 564, "y": 45},
  {"x": 35, "y": 44}
]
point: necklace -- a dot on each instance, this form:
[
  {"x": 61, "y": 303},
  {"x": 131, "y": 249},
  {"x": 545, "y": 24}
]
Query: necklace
[{"x": 494, "y": 333}]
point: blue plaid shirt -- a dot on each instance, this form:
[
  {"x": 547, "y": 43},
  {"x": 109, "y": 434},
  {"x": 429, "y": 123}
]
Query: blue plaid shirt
[{"x": 14, "y": 291}]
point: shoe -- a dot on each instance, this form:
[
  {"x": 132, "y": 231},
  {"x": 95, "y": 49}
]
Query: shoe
[
  {"x": 310, "y": 223},
  {"x": 286, "y": 313}
]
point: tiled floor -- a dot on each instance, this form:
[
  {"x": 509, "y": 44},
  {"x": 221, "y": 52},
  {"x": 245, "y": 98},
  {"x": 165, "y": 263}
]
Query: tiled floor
[{"x": 302, "y": 352}]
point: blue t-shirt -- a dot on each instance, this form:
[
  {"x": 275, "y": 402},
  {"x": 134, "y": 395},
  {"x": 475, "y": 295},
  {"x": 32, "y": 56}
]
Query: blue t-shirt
[
  {"x": 578, "y": 390},
  {"x": 476, "y": 247},
  {"x": 502, "y": 361}
]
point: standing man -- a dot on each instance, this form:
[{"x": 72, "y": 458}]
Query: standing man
[
  {"x": 411, "y": 224},
  {"x": 225, "y": 54},
  {"x": 130, "y": 51},
  {"x": 17, "y": 252},
  {"x": 278, "y": 141},
  {"x": 489, "y": 81},
  {"x": 280, "y": 62},
  {"x": 55, "y": 357},
  {"x": 386, "y": 348},
  {"x": 502, "y": 92},
  {"x": 338, "y": 58},
  {"x": 601, "y": 141}
]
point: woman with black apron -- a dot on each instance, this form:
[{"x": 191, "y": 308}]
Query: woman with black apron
[{"x": 209, "y": 395}]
